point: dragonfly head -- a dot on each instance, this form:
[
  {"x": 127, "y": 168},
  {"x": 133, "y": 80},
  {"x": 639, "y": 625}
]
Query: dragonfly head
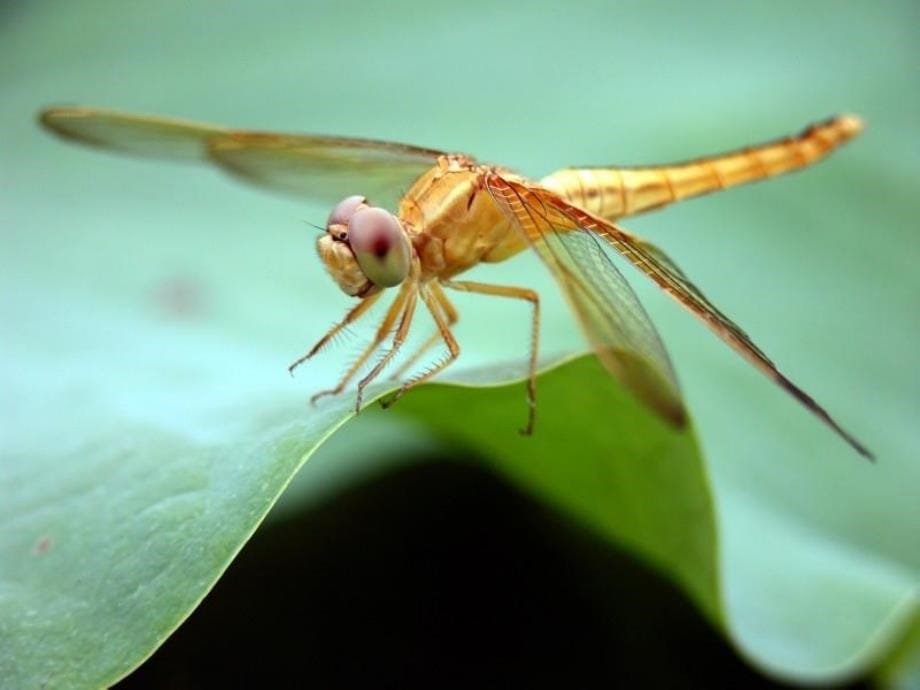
[{"x": 364, "y": 246}]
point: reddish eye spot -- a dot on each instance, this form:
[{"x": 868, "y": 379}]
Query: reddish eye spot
[
  {"x": 380, "y": 246},
  {"x": 373, "y": 231}
]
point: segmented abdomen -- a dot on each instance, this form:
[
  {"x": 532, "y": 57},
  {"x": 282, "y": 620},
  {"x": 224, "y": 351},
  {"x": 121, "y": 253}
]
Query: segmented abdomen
[{"x": 616, "y": 192}]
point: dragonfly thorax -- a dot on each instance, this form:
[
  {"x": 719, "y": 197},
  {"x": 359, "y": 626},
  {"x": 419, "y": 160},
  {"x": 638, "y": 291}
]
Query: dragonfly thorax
[{"x": 364, "y": 246}]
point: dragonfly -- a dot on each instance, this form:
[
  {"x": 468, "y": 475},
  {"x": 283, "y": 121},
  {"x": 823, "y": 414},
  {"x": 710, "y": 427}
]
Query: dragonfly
[{"x": 414, "y": 219}]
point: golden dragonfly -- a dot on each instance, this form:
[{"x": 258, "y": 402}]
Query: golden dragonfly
[{"x": 453, "y": 212}]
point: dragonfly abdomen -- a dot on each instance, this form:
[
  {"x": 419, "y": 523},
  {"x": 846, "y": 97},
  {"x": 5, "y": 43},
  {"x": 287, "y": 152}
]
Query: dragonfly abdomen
[{"x": 613, "y": 193}]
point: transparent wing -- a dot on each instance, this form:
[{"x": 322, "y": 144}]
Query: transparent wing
[
  {"x": 563, "y": 219},
  {"x": 323, "y": 168},
  {"x": 615, "y": 323},
  {"x": 318, "y": 168},
  {"x": 137, "y": 135}
]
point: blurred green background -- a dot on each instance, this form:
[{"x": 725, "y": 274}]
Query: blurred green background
[{"x": 124, "y": 281}]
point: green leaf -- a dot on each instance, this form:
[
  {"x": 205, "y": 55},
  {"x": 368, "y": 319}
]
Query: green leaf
[
  {"x": 108, "y": 545},
  {"x": 901, "y": 670},
  {"x": 627, "y": 475},
  {"x": 149, "y": 310}
]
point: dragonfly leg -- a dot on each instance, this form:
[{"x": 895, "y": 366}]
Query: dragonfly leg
[
  {"x": 382, "y": 331},
  {"x": 534, "y": 299},
  {"x": 448, "y": 311},
  {"x": 355, "y": 313},
  {"x": 405, "y": 322},
  {"x": 435, "y": 304}
]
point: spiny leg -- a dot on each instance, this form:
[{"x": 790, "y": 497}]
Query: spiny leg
[
  {"x": 401, "y": 332},
  {"x": 353, "y": 315},
  {"x": 382, "y": 331},
  {"x": 434, "y": 304},
  {"x": 534, "y": 299},
  {"x": 450, "y": 315}
]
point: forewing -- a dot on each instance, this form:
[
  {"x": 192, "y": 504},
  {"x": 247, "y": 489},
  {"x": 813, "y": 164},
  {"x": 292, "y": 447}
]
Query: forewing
[
  {"x": 611, "y": 316},
  {"x": 652, "y": 261},
  {"x": 323, "y": 168},
  {"x": 317, "y": 168},
  {"x": 138, "y": 135}
]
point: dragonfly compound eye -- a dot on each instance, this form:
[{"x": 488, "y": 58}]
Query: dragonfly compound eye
[
  {"x": 337, "y": 223},
  {"x": 380, "y": 246}
]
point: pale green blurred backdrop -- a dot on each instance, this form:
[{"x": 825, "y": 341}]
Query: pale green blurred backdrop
[{"x": 819, "y": 267}]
